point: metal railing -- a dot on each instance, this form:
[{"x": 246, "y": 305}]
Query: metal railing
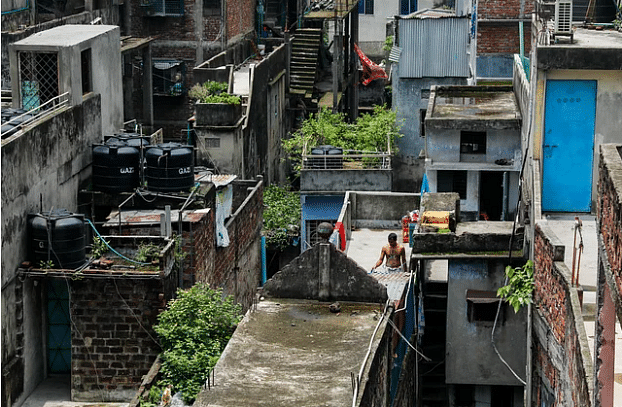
[
  {"x": 40, "y": 112},
  {"x": 347, "y": 161}
]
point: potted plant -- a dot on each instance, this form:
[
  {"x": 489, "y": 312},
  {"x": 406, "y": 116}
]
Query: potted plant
[{"x": 214, "y": 106}]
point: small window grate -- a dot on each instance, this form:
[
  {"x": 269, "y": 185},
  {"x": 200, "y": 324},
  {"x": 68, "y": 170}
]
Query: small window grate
[
  {"x": 212, "y": 142},
  {"x": 38, "y": 73},
  {"x": 164, "y": 8}
]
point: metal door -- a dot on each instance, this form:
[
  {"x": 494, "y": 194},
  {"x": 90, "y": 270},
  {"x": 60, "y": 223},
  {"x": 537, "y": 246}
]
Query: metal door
[
  {"x": 568, "y": 148},
  {"x": 59, "y": 327}
]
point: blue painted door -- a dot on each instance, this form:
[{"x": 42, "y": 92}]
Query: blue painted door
[
  {"x": 568, "y": 147},
  {"x": 59, "y": 327}
]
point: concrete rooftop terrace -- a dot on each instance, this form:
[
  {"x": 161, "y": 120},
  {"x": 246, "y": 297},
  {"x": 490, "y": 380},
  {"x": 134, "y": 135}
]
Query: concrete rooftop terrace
[
  {"x": 293, "y": 353},
  {"x": 473, "y": 103},
  {"x": 590, "y": 49},
  {"x": 65, "y": 35}
]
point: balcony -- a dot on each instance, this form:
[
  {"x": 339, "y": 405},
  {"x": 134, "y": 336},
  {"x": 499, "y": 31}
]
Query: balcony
[{"x": 330, "y": 169}]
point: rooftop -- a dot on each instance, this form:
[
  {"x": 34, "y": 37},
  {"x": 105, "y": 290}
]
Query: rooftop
[
  {"x": 66, "y": 35},
  {"x": 590, "y": 49},
  {"x": 474, "y": 102},
  {"x": 293, "y": 353}
]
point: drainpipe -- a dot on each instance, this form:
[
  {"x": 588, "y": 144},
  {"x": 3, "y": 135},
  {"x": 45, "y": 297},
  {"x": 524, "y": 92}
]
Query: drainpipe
[
  {"x": 529, "y": 356},
  {"x": 506, "y": 197},
  {"x": 263, "y": 261}
]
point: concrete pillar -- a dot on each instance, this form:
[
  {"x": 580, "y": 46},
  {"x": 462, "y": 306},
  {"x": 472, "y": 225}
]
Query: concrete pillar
[
  {"x": 324, "y": 272},
  {"x": 147, "y": 86}
]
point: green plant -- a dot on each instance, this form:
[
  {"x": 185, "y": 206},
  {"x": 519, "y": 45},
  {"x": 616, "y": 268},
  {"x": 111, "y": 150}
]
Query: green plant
[
  {"x": 152, "y": 398},
  {"x": 147, "y": 252},
  {"x": 213, "y": 92},
  {"x": 99, "y": 247},
  {"x": 46, "y": 264},
  {"x": 388, "y": 43},
  {"x": 194, "y": 330},
  {"x": 371, "y": 133},
  {"x": 281, "y": 214},
  {"x": 520, "y": 285}
]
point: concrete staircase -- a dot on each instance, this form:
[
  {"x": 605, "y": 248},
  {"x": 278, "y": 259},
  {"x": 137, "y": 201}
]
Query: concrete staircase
[{"x": 304, "y": 64}]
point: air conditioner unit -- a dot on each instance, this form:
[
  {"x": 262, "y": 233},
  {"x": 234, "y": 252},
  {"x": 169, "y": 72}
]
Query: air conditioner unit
[{"x": 563, "y": 17}]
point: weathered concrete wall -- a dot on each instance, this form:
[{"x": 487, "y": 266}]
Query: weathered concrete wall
[
  {"x": 376, "y": 384},
  {"x": 268, "y": 123},
  {"x": 221, "y": 147},
  {"x": 108, "y": 15},
  {"x": 44, "y": 165},
  {"x": 470, "y": 355},
  {"x": 443, "y": 145},
  {"x": 492, "y": 241},
  {"x": 410, "y": 98},
  {"x": 381, "y": 210},
  {"x": 346, "y": 180},
  {"x": 323, "y": 272},
  {"x": 562, "y": 366}
]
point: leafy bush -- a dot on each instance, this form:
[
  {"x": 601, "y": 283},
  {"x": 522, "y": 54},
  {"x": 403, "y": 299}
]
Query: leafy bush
[
  {"x": 370, "y": 133},
  {"x": 213, "y": 92},
  {"x": 281, "y": 212},
  {"x": 520, "y": 285},
  {"x": 194, "y": 330}
]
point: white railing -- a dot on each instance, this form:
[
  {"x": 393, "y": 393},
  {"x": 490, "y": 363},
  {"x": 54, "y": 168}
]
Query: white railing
[{"x": 42, "y": 111}]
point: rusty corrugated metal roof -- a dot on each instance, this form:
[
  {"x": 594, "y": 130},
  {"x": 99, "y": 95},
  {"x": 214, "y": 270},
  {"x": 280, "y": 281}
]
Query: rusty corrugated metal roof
[{"x": 149, "y": 217}]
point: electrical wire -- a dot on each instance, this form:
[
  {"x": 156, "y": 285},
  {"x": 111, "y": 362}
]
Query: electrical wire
[
  {"x": 113, "y": 250},
  {"x": 134, "y": 315}
]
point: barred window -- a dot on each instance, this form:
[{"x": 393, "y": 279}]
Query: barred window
[{"x": 38, "y": 78}]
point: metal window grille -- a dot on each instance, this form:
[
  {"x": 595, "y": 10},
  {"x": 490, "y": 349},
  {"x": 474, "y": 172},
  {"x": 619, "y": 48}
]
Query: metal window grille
[
  {"x": 169, "y": 77},
  {"x": 38, "y": 73},
  {"x": 164, "y": 8}
]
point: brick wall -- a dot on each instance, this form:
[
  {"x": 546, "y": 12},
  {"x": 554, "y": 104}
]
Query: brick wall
[
  {"x": 113, "y": 342},
  {"x": 609, "y": 211},
  {"x": 494, "y": 9},
  {"x": 240, "y": 18},
  {"x": 561, "y": 361},
  {"x": 237, "y": 268},
  {"x": 502, "y": 38}
]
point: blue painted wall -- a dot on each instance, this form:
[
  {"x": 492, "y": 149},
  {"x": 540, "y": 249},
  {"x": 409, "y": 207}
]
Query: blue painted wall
[
  {"x": 495, "y": 66},
  {"x": 318, "y": 207}
]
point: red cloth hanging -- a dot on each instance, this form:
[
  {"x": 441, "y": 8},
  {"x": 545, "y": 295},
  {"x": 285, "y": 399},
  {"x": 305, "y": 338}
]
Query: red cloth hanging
[{"x": 371, "y": 70}]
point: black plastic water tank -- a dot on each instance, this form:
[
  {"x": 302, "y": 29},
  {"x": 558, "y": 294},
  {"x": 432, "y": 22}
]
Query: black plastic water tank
[
  {"x": 116, "y": 167},
  {"x": 132, "y": 139},
  {"x": 170, "y": 167},
  {"x": 57, "y": 239}
]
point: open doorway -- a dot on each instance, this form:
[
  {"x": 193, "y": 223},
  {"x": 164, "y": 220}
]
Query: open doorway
[{"x": 491, "y": 195}]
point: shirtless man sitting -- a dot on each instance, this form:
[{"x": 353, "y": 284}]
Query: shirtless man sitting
[{"x": 395, "y": 255}]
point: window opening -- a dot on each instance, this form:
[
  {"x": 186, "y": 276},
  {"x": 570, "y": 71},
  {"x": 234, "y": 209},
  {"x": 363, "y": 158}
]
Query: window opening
[
  {"x": 38, "y": 72},
  {"x": 169, "y": 77},
  {"x": 482, "y": 306},
  {"x": 163, "y": 8},
  {"x": 422, "y": 114},
  {"x": 452, "y": 181},
  {"x": 85, "y": 63},
  {"x": 366, "y": 6},
  {"x": 408, "y": 6},
  {"x": 472, "y": 142}
]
